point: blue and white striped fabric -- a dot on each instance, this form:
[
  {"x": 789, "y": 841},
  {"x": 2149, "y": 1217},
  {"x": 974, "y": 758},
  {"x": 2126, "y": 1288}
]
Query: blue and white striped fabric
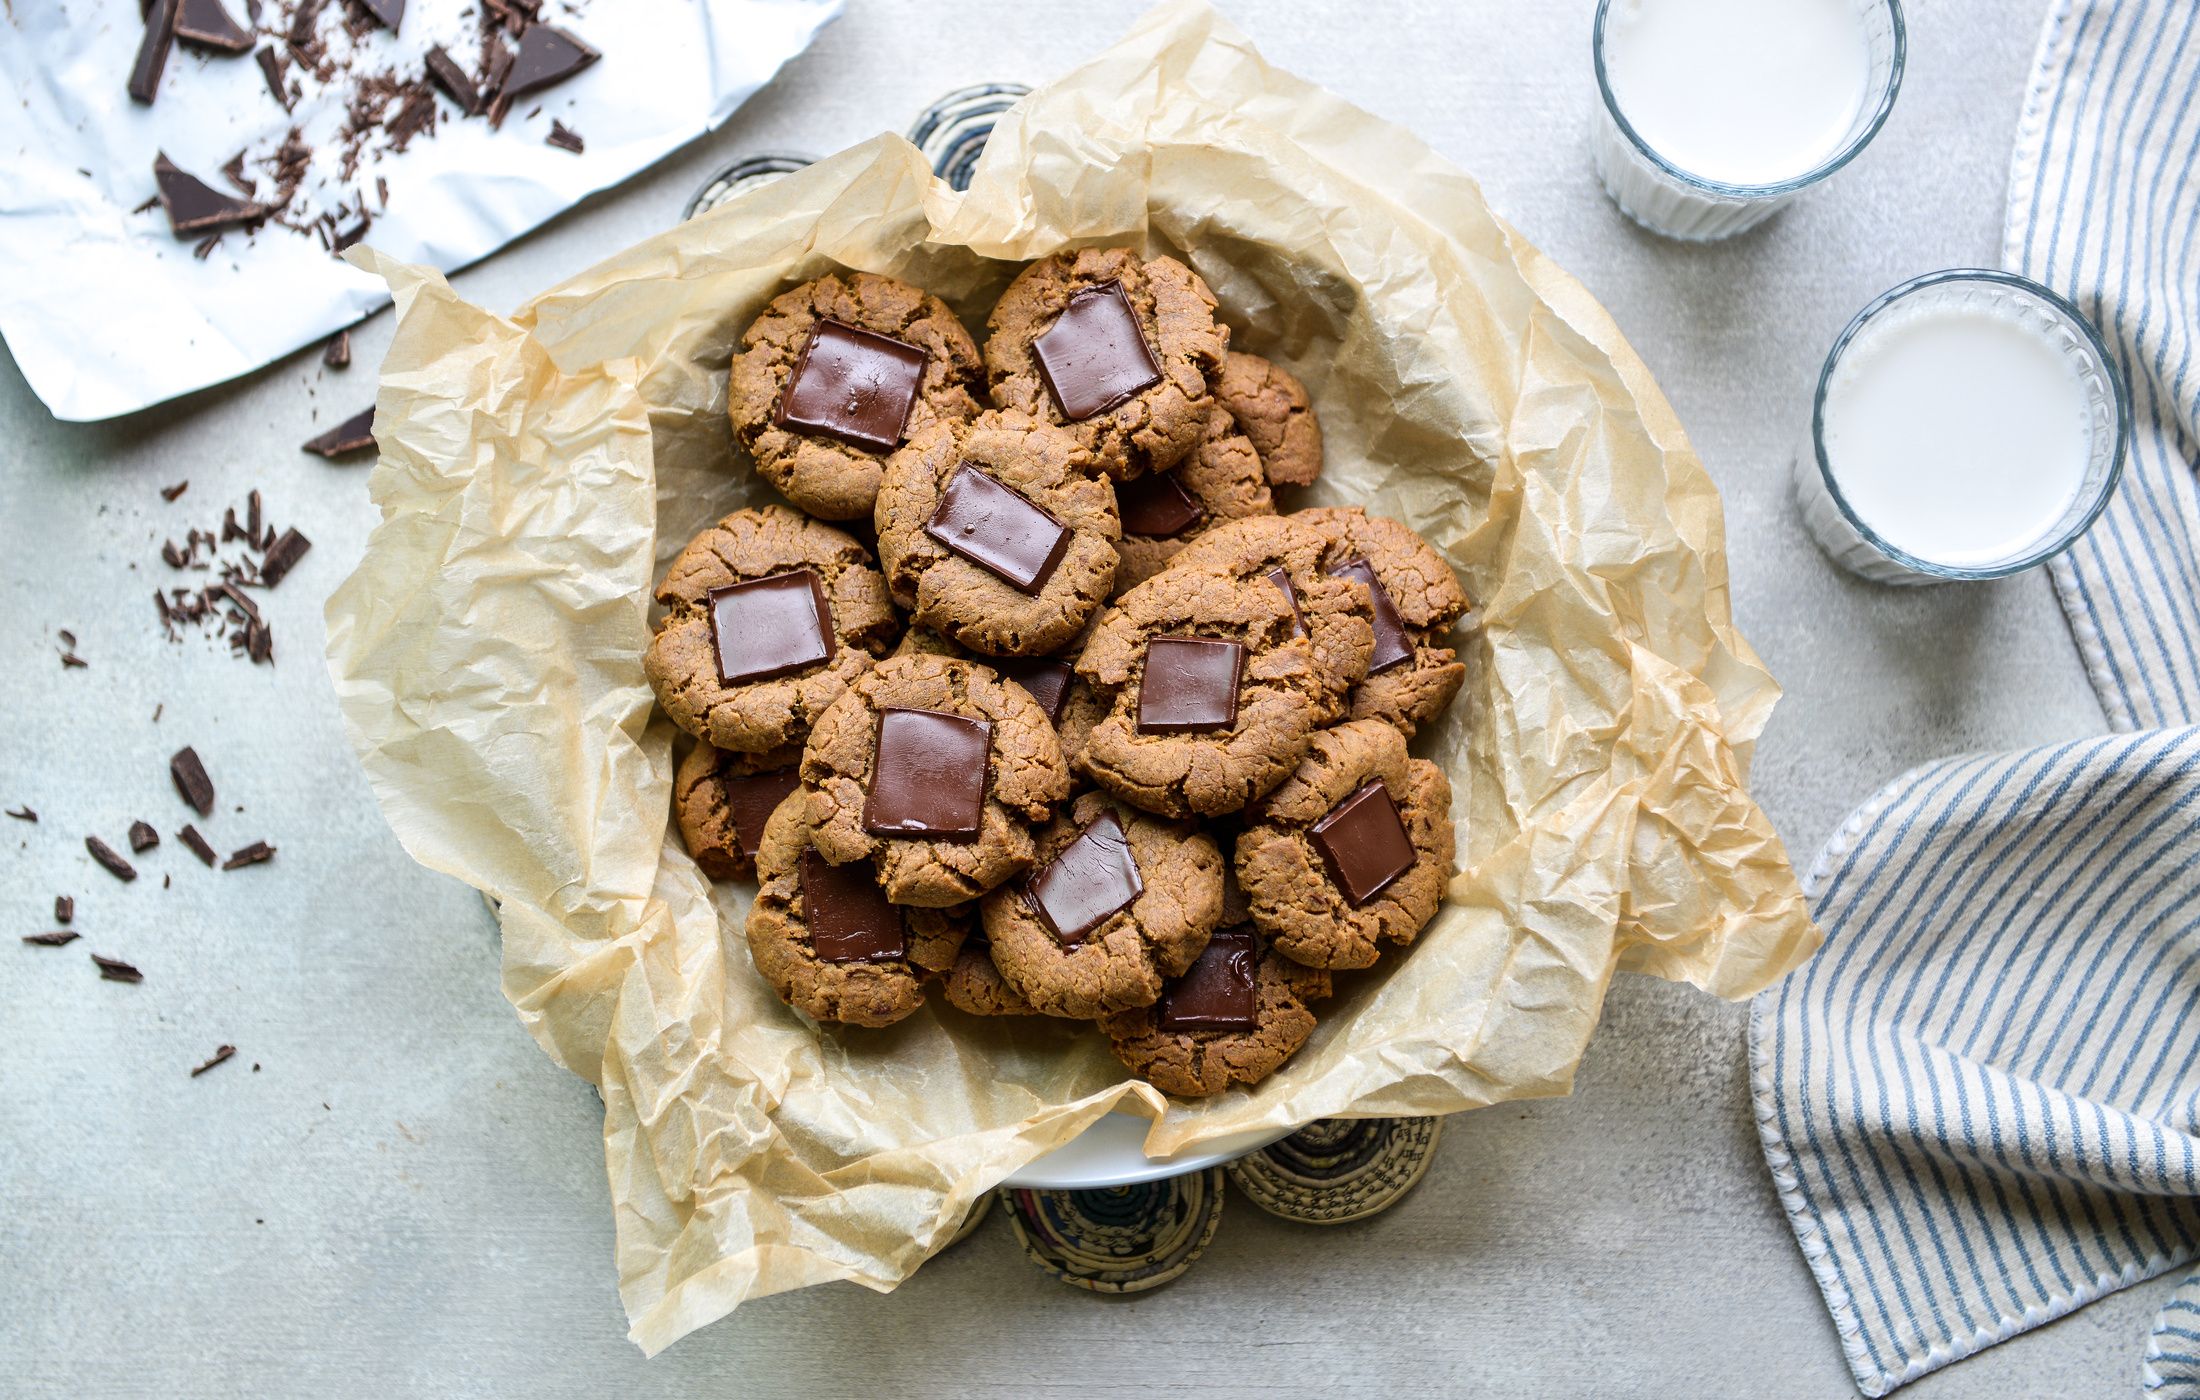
[{"x": 1981, "y": 1101}]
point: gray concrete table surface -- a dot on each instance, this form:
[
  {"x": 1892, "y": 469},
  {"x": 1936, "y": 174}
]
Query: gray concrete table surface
[{"x": 404, "y": 1196}]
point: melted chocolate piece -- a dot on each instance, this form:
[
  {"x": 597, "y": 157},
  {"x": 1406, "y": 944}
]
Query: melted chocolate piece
[
  {"x": 849, "y": 918},
  {"x": 207, "y": 23},
  {"x": 1217, "y": 993},
  {"x": 193, "y": 205},
  {"x": 1156, "y": 506},
  {"x": 1095, "y": 354},
  {"x": 547, "y": 56},
  {"x": 1091, "y": 879},
  {"x": 771, "y": 627},
  {"x": 1392, "y": 645},
  {"x": 1281, "y": 578},
  {"x": 854, "y": 385},
  {"x": 1364, "y": 842},
  {"x": 928, "y": 776},
  {"x": 1189, "y": 686},
  {"x": 751, "y": 801},
  {"x": 152, "y": 54},
  {"x": 992, "y": 526},
  {"x": 1045, "y": 677}
]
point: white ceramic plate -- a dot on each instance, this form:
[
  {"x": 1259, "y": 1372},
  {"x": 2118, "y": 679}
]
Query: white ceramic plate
[{"x": 1108, "y": 1154}]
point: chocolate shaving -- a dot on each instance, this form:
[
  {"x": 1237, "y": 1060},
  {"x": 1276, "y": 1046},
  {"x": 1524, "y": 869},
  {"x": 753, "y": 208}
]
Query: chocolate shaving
[
  {"x": 283, "y": 556},
  {"x": 191, "y": 781},
  {"x": 252, "y": 517},
  {"x": 70, "y": 660},
  {"x": 142, "y": 838},
  {"x": 253, "y": 854},
  {"x": 23, "y": 813},
  {"x": 64, "y": 909},
  {"x": 337, "y": 353},
  {"x": 208, "y": 25},
  {"x": 220, "y": 1055},
  {"x": 58, "y": 938},
  {"x": 205, "y": 246},
  {"x": 352, "y": 235},
  {"x": 196, "y": 843},
  {"x": 152, "y": 54},
  {"x": 169, "y": 493},
  {"x": 107, "y": 856},
  {"x": 233, "y": 172},
  {"x": 354, "y": 434},
  {"x": 116, "y": 970},
  {"x": 271, "y": 68},
  {"x": 564, "y": 138},
  {"x": 259, "y": 643},
  {"x": 305, "y": 22}
]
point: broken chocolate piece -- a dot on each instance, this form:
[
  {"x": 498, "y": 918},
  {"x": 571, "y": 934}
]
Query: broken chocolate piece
[
  {"x": 852, "y": 384},
  {"x": 1364, "y": 843},
  {"x": 337, "y": 353},
  {"x": 271, "y": 68},
  {"x": 354, "y": 434},
  {"x": 194, "y": 206},
  {"x": 23, "y": 813},
  {"x": 1189, "y": 685},
  {"x": 107, "y": 856},
  {"x": 1045, "y": 677},
  {"x": 152, "y": 54},
  {"x": 444, "y": 72},
  {"x": 191, "y": 781},
  {"x": 848, "y": 915},
  {"x": 564, "y": 138},
  {"x": 207, "y": 24},
  {"x": 220, "y": 1054},
  {"x": 142, "y": 838},
  {"x": 385, "y": 12},
  {"x": 304, "y": 22},
  {"x": 1156, "y": 506},
  {"x": 1094, "y": 357},
  {"x": 1081, "y": 888},
  {"x": 1220, "y": 991},
  {"x": 253, "y": 854},
  {"x": 771, "y": 627},
  {"x": 190, "y": 837},
  {"x": 1281, "y": 578},
  {"x": 1392, "y": 644},
  {"x": 547, "y": 56},
  {"x": 56, "y": 939},
  {"x": 64, "y": 909},
  {"x": 750, "y": 802},
  {"x": 116, "y": 970},
  {"x": 283, "y": 556},
  {"x": 928, "y": 776},
  {"x": 169, "y": 493},
  {"x": 994, "y": 527}
]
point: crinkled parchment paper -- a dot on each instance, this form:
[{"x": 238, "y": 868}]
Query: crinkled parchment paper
[{"x": 538, "y": 471}]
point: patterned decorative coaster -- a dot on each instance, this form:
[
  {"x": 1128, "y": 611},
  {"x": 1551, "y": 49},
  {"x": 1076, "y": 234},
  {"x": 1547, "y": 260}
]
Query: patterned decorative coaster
[
  {"x": 744, "y": 174},
  {"x": 1124, "y": 1239},
  {"x": 952, "y": 131},
  {"x": 1338, "y": 1169}
]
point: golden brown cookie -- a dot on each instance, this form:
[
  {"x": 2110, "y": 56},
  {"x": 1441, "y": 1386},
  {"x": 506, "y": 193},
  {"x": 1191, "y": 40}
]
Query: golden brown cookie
[
  {"x": 1162, "y": 512},
  {"x": 857, "y": 396},
  {"x": 975, "y": 985},
  {"x": 1285, "y": 553},
  {"x": 826, "y": 939},
  {"x": 1077, "y": 311},
  {"x": 996, "y": 534},
  {"x": 1048, "y": 679},
  {"x": 935, "y": 770},
  {"x": 769, "y": 616},
  {"x": 1211, "y": 692},
  {"x": 1352, "y": 851},
  {"x": 721, "y": 801},
  {"x": 1414, "y": 672},
  {"x": 1234, "y": 1018},
  {"x": 1117, "y": 901},
  {"x": 1271, "y": 408}
]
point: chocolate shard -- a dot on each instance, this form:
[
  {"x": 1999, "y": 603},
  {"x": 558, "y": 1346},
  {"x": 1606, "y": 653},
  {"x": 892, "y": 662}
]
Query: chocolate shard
[
  {"x": 547, "y": 56},
  {"x": 305, "y": 22},
  {"x": 152, "y": 54},
  {"x": 193, "y": 205},
  {"x": 386, "y": 13},
  {"x": 564, "y": 138},
  {"x": 55, "y": 939},
  {"x": 219, "y": 1055},
  {"x": 116, "y": 970},
  {"x": 254, "y": 854},
  {"x": 23, "y": 813},
  {"x": 283, "y": 556},
  {"x": 107, "y": 856},
  {"x": 208, "y": 24},
  {"x": 191, "y": 780},
  {"x": 190, "y": 837},
  {"x": 64, "y": 909},
  {"x": 271, "y": 68},
  {"x": 142, "y": 838},
  {"x": 169, "y": 493},
  {"x": 444, "y": 72},
  {"x": 354, "y": 434},
  {"x": 337, "y": 353}
]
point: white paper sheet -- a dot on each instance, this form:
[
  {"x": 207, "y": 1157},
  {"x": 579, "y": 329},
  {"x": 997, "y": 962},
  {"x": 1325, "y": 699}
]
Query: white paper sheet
[{"x": 107, "y": 311}]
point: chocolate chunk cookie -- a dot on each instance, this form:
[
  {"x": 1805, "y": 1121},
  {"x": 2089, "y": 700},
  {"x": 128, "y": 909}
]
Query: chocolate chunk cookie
[
  {"x": 1415, "y": 599},
  {"x": 836, "y": 374},
  {"x": 1211, "y": 691},
  {"x": 770, "y": 616},
  {"x": 996, "y": 534},
  {"x": 976, "y": 986},
  {"x": 1271, "y": 408},
  {"x": 1352, "y": 851},
  {"x": 1164, "y": 511},
  {"x": 1117, "y": 902},
  {"x": 1285, "y": 553},
  {"x": 1117, "y": 348},
  {"x": 1234, "y": 1018},
  {"x": 825, "y": 937},
  {"x": 1048, "y": 679},
  {"x": 934, "y": 770},
  {"x": 721, "y": 800}
]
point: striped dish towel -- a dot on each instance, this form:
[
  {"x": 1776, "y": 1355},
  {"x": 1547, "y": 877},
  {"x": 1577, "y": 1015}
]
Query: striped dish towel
[{"x": 1981, "y": 1101}]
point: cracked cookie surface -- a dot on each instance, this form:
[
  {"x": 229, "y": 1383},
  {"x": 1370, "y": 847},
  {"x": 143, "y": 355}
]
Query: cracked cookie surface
[
  {"x": 975, "y": 985},
  {"x": 779, "y": 937},
  {"x": 1156, "y": 427},
  {"x": 829, "y": 478},
  {"x": 1294, "y": 895},
  {"x": 718, "y": 796},
  {"x": 1333, "y": 610},
  {"x": 1222, "y": 480},
  {"x": 1200, "y": 1063},
  {"x": 1428, "y": 599},
  {"x": 1121, "y": 962},
  {"x": 965, "y": 600},
  {"x": 1025, "y": 775},
  {"x": 759, "y": 715},
  {"x": 1271, "y": 407}
]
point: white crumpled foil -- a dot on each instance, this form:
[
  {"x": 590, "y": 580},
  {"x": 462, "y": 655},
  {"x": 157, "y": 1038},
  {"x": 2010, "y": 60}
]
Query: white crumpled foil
[
  {"x": 537, "y": 472},
  {"x": 106, "y": 311}
]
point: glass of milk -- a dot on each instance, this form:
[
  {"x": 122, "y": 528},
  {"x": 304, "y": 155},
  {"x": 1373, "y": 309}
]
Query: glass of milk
[
  {"x": 1717, "y": 112},
  {"x": 1968, "y": 425}
]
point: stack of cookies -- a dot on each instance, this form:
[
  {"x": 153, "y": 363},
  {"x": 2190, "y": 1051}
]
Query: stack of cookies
[{"x": 1088, "y": 729}]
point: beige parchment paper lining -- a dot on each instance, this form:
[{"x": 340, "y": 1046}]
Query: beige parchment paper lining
[{"x": 537, "y": 471}]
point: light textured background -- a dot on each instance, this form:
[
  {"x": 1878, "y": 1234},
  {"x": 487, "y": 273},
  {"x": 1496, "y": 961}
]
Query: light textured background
[{"x": 408, "y": 1198}]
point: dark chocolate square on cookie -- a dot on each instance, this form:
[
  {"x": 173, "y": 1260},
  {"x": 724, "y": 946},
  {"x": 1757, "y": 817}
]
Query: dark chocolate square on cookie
[
  {"x": 1046, "y": 678},
  {"x": 751, "y": 801},
  {"x": 847, "y": 913},
  {"x": 993, "y": 527},
  {"x": 854, "y": 385},
  {"x": 1156, "y": 506},
  {"x": 1091, "y": 879},
  {"x": 1392, "y": 645},
  {"x": 928, "y": 776},
  {"x": 1189, "y": 685},
  {"x": 1364, "y": 842},
  {"x": 770, "y": 627},
  {"x": 1095, "y": 355},
  {"x": 1217, "y": 993}
]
